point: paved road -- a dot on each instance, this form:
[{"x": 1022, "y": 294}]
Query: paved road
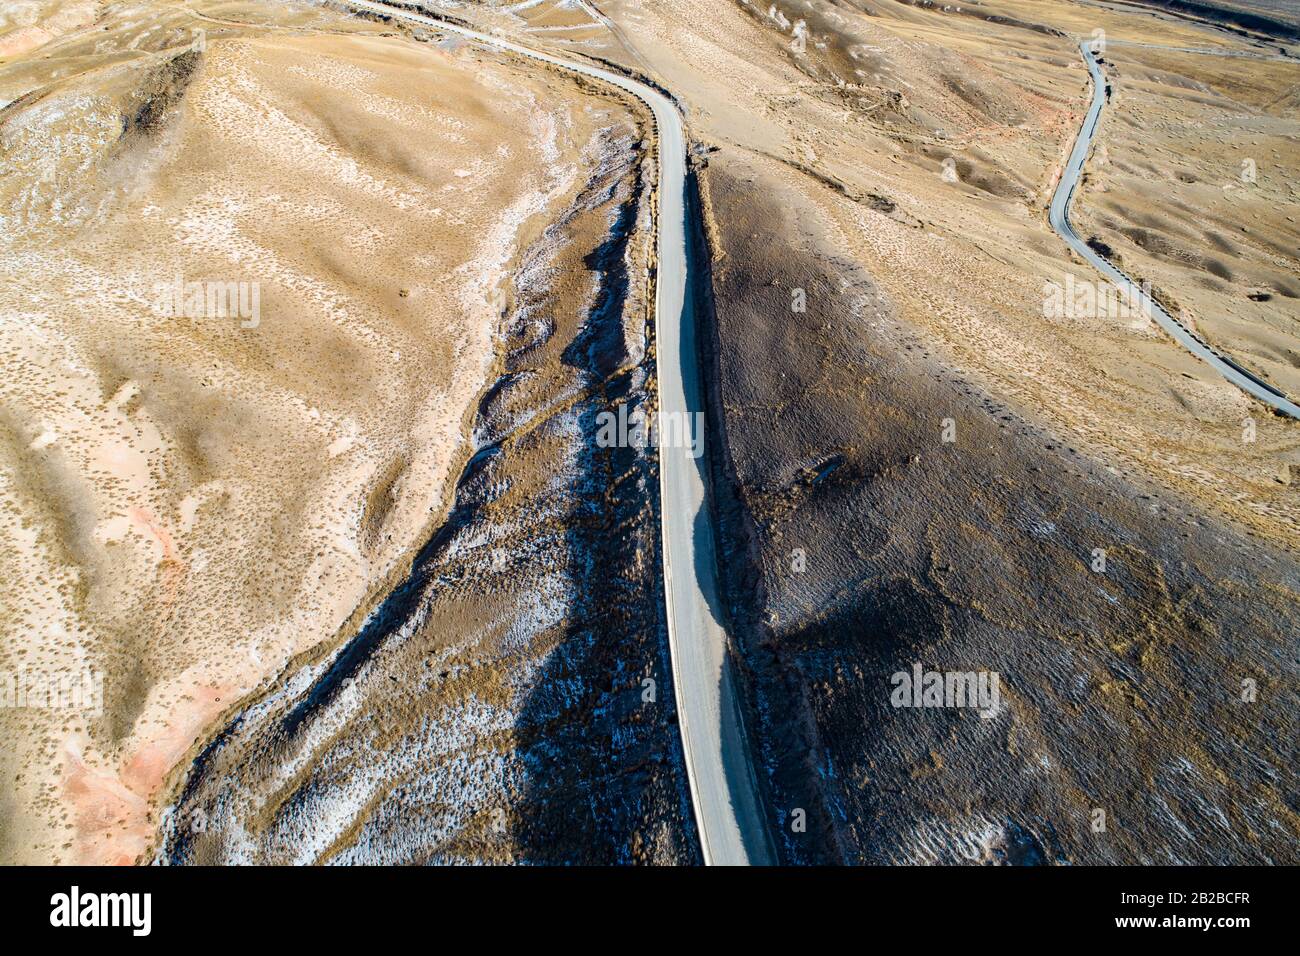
[
  {"x": 728, "y": 812},
  {"x": 1059, "y": 216}
]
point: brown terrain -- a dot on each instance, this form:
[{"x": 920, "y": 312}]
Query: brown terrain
[
  {"x": 431, "y": 602},
  {"x": 822, "y": 172},
  {"x": 190, "y": 504},
  {"x": 511, "y": 699},
  {"x": 865, "y": 543}
]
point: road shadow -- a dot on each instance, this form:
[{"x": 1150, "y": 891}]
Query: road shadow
[{"x": 604, "y": 779}]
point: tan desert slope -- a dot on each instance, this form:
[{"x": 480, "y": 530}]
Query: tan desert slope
[
  {"x": 188, "y": 500},
  {"x": 929, "y": 137}
]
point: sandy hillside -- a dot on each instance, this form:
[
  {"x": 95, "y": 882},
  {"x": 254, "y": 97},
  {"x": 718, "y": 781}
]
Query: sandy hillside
[
  {"x": 29, "y": 24},
  {"x": 191, "y": 500},
  {"x": 510, "y": 700}
]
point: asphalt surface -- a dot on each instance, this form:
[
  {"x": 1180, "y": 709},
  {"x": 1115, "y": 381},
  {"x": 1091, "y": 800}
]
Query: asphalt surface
[
  {"x": 724, "y": 793},
  {"x": 1059, "y": 216}
]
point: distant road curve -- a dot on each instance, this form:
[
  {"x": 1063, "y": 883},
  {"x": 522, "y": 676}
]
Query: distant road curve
[
  {"x": 724, "y": 790},
  {"x": 1058, "y": 214}
]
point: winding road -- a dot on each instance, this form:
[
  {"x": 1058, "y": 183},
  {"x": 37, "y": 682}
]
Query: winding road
[
  {"x": 1059, "y": 215},
  {"x": 724, "y": 791}
]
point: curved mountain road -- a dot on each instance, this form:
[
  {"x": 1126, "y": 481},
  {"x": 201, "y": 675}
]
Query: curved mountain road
[
  {"x": 724, "y": 791},
  {"x": 1059, "y": 215}
]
